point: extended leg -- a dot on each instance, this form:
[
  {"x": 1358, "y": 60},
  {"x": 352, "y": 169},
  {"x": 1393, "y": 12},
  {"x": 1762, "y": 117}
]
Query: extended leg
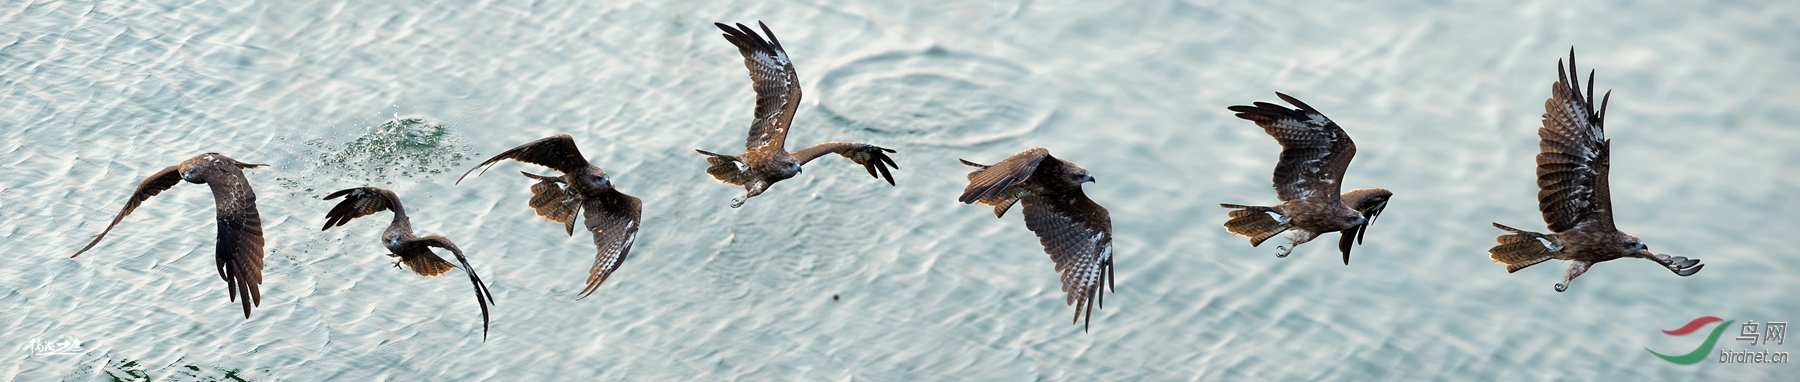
[
  {"x": 751, "y": 190},
  {"x": 1295, "y": 239},
  {"x": 1576, "y": 268}
]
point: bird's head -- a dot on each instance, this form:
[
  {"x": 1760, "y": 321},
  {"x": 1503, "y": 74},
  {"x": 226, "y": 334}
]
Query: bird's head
[
  {"x": 1076, "y": 174},
  {"x": 1637, "y": 247},
  {"x": 193, "y": 174},
  {"x": 601, "y": 181},
  {"x": 778, "y": 170}
]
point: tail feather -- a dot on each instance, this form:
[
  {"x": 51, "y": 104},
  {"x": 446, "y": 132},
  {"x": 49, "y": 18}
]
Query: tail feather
[
  {"x": 1002, "y": 201},
  {"x": 1519, "y": 249},
  {"x": 1257, "y": 223},
  {"x": 426, "y": 264},
  {"x": 553, "y": 202},
  {"x": 725, "y": 168}
]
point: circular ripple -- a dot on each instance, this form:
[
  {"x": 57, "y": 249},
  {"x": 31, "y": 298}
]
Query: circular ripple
[{"x": 938, "y": 97}]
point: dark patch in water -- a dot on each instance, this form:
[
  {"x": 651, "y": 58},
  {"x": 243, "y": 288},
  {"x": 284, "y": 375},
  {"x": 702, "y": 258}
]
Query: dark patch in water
[
  {"x": 400, "y": 148},
  {"x": 125, "y": 370}
]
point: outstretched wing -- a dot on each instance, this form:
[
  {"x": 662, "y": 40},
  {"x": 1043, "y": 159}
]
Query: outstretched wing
[
  {"x": 239, "y": 253},
  {"x": 990, "y": 184},
  {"x": 358, "y": 202},
  {"x": 482, "y": 295},
  {"x": 1573, "y": 155},
  {"x": 613, "y": 219},
  {"x": 155, "y": 184},
  {"x": 1314, "y": 150},
  {"x": 871, "y": 157},
  {"x": 1077, "y": 233},
  {"x": 1368, "y": 201},
  {"x": 777, "y": 86},
  {"x": 557, "y": 152}
]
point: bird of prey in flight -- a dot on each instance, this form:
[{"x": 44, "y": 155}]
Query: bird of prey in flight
[
  {"x": 611, "y": 216},
  {"x": 412, "y": 250},
  {"x": 765, "y": 159},
  {"x": 1314, "y": 154},
  {"x": 1075, "y": 231},
  {"x": 239, "y": 251},
  {"x": 1572, "y": 163}
]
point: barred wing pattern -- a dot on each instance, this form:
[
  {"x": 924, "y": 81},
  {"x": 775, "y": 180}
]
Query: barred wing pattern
[
  {"x": 239, "y": 251},
  {"x": 772, "y": 76},
  {"x": 1573, "y": 155},
  {"x": 991, "y": 184},
  {"x": 1077, "y": 233},
  {"x": 1314, "y": 150},
  {"x": 613, "y": 219},
  {"x": 871, "y": 157}
]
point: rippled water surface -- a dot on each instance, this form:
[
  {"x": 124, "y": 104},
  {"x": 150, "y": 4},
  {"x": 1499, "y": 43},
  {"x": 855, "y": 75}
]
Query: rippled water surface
[{"x": 837, "y": 276}]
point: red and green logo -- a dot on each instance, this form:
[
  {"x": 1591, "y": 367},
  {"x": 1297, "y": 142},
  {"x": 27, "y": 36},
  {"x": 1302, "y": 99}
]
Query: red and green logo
[{"x": 1699, "y": 353}]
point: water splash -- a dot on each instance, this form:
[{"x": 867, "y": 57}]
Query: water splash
[{"x": 398, "y": 148}]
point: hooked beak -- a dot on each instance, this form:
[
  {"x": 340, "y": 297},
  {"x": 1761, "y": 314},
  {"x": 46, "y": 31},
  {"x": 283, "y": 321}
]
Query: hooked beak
[{"x": 1088, "y": 179}]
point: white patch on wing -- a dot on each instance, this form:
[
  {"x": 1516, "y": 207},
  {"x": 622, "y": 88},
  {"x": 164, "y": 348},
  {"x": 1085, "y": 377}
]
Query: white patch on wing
[
  {"x": 1317, "y": 120},
  {"x": 1549, "y": 245},
  {"x": 1279, "y": 218}
]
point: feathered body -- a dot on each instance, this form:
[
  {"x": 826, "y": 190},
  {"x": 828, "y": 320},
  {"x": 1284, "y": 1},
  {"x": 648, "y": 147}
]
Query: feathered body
[
  {"x": 766, "y": 160},
  {"x": 1572, "y": 164},
  {"x": 1315, "y": 153},
  {"x": 583, "y": 188},
  {"x": 239, "y": 251},
  {"x": 1075, "y": 231},
  {"x": 413, "y": 251}
]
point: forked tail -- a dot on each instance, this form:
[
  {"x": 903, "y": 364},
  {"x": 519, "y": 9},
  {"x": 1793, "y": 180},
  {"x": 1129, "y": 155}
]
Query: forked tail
[
  {"x": 553, "y": 202},
  {"x": 1257, "y": 223},
  {"x": 725, "y": 168},
  {"x": 1519, "y": 249}
]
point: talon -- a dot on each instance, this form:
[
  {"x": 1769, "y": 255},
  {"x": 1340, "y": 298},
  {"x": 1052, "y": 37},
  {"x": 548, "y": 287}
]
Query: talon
[
  {"x": 735, "y": 202},
  {"x": 1561, "y": 287}
]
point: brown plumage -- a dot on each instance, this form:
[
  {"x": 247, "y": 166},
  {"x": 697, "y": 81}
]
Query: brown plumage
[
  {"x": 1315, "y": 153},
  {"x": 611, "y": 216},
  {"x": 765, "y": 159},
  {"x": 239, "y": 252},
  {"x": 400, "y": 242},
  {"x": 1075, "y": 231},
  {"x": 1572, "y": 170}
]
